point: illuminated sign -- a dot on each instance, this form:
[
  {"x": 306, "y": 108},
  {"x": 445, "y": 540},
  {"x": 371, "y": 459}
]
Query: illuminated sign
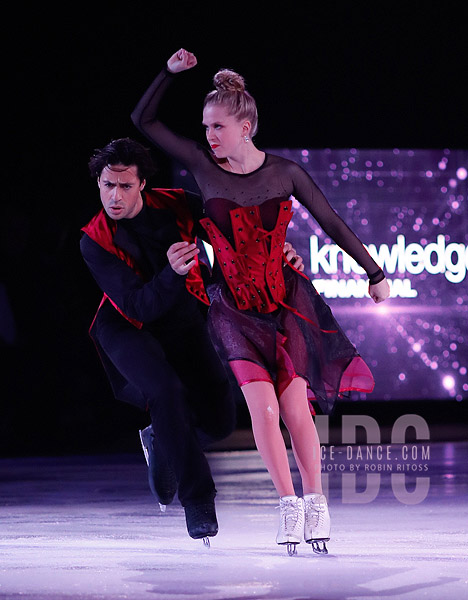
[{"x": 400, "y": 258}]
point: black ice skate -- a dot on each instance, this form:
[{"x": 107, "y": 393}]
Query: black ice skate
[
  {"x": 201, "y": 521},
  {"x": 161, "y": 477}
]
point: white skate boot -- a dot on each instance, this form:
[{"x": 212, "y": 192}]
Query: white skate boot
[
  {"x": 317, "y": 522},
  {"x": 291, "y": 527}
]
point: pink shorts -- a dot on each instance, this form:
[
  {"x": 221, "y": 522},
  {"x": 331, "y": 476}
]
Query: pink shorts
[
  {"x": 356, "y": 376},
  {"x": 246, "y": 371}
]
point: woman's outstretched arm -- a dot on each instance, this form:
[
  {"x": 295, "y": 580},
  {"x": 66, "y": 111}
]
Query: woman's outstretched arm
[{"x": 145, "y": 116}]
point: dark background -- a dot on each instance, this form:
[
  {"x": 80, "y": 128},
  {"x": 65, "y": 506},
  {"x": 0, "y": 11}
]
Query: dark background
[{"x": 358, "y": 74}]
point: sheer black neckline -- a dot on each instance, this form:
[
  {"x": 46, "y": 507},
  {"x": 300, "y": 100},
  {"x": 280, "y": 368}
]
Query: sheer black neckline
[{"x": 265, "y": 160}]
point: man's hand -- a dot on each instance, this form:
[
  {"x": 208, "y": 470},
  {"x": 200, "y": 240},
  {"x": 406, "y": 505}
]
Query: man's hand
[
  {"x": 379, "y": 291},
  {"x": 290, "y": 254},
  {"x": 181, "y": 61},
  {"x": 181, "y": 257}
]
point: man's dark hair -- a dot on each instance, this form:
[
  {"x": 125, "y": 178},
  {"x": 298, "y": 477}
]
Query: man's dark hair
[{"x": 123, "y": 151}]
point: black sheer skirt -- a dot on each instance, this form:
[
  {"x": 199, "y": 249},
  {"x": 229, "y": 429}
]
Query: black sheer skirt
[{"x": 309, "y": 341}]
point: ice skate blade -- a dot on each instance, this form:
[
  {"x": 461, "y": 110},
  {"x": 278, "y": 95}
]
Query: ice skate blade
[
  {"x": 316, "y": 546},
  {"x": 143, "y": 445},
  {"x": 162, "y": 507},
  {"x": 206, "y": 542},
  {"x": 292, "y": 549}
]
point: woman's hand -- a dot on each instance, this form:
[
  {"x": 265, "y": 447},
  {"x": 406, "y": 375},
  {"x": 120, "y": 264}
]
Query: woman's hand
[
  {"x": 181, "y": 256},
  {"x": 291, "y": 256},
  {"x": 379, "y": 291},
  {"x": 181, "y": 61}
]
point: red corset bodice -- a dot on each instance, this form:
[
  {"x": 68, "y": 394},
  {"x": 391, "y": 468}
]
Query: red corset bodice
[{"x": 253, "y": 268}]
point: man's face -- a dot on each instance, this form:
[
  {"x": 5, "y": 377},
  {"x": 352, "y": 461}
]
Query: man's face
[{"x": 120, "y": 191}]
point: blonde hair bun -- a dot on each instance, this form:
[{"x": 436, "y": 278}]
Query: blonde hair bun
[
  {"x": 230, "y": 93},
  {"x": 229, "y": 81}
]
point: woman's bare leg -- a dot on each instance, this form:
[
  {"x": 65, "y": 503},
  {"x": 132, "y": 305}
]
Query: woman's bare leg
[
  {"x": 296, "y": 415},
  {"x": 264, "y": 411}
]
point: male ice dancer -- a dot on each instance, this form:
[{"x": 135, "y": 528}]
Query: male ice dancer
[{"x": 150, "y": 329}]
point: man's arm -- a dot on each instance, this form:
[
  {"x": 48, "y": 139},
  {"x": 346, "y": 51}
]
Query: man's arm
[{"x": 143, "y": 301}]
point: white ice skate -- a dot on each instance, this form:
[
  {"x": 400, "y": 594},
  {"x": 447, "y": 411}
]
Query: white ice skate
[
  {"x": 291, "y": 527},
  {"x": 317, "y": 522}
]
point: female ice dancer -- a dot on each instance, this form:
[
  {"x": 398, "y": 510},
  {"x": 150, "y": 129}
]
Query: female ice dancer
[{"x": 266, "y": 320}]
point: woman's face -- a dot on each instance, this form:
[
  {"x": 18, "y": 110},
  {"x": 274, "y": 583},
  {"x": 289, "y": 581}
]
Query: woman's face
[{"x": 224, "y": 132}]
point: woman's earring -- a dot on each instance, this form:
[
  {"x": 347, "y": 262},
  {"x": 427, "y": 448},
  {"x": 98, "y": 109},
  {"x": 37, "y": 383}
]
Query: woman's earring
[{"x": 246, "y": 139}]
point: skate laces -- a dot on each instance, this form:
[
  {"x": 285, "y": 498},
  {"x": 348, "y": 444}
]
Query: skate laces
[
  {"x": 289, "y": 515},
  {"x": 315, "y": 509}
]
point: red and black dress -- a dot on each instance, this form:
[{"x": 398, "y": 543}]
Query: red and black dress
[{"x": 266, "y": 318}]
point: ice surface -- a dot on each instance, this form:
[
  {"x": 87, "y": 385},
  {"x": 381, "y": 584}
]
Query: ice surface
[{"x": 88, "y": 528}]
